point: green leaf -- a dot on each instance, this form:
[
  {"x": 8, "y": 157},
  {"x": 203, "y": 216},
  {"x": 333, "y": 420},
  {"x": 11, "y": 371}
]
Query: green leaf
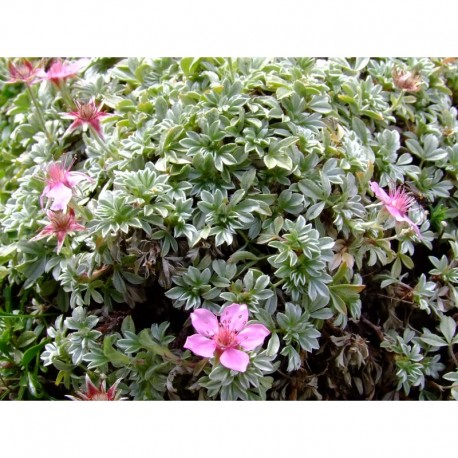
[
  {"x": 34, "y": 385},
  {"x": 172, "y": 136},
  {"x": 415, "y": 147},
  {"x": 128, "y": 325},
  {"x": 241, "y": 255},
  {"x": 406, "y": 260},
  {"x": 294, "y": 360},
  {"x": 432, "y": 339},
  {"x": 4, "y": 272},
  {"x": 161, "y": 108},
  {"x": 347, "y": 99},
  {"x": 452, "y": 376},
  {"x": 273, "y": 345},
  {"x": 116, "y": 358},
  {"x": 315, "y": 210},
  {"x": 448, "y": 327},
  {"x": 26, "y": 338},
  {"x": 372, "y": 114},
  {"x": 320, "y": 104},
  {"x": 148, "y": 343},
  {"x": 360, "y": 128},
  {"x": 338, "y": 302},
  {"x": 32, "y": 352},
  {"x": 189, "y": 65}
]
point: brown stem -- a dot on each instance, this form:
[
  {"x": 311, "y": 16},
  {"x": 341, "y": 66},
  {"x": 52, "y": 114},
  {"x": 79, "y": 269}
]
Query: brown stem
[
  {"x": 452, "y": 354},
  {"x": 376, "y": 329}
]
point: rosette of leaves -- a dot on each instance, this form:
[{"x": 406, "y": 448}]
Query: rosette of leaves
[
  {"x": 117, "y": 212},
  {"x": 250, "y": 385},
  {"x": 222, "y": 217},
  {"x": 412, "y": 365},
  {"x": 301, "y": 259}
]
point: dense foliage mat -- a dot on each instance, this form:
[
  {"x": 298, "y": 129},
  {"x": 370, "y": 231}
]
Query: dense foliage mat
[{"x": 212, "y": 228}]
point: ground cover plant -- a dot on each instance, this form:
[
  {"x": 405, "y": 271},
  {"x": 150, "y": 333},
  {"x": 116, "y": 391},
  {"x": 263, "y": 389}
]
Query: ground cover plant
[{"x": 228, "y": 229}]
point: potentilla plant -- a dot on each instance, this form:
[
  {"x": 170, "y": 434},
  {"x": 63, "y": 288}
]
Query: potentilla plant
[{"x": 228, "y": 228}]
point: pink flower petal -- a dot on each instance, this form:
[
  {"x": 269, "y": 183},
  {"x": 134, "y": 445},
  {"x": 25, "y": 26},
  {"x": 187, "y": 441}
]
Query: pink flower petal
[
  {"x": 252, "y": 336},
  {"x": 73, "y": 178},
  {"x": 78, "y": 65},
  {"x": 61, "y": 195},
  {"x": 44, "y": 194},
  {"x": 55, "y": 172},
  {"x": 74, "y": 226},
  {"x": 111, "y": 393},
  {"x": 91, "y": 389},
  {"x": 379, "y": 192},
  {"x": 395, "y": 213},
  {"x": 200, "y": 345},
  {"x": 41, "y": 73},
  {"x": 70, "y": 115},
  {"x": 95, "y": 124},
  {"x": 234, "y": 359},
  {"x": 60, "y": 240},
  {"x": 45, "y": 232},
  {"x": 204, "y": 322},
  {"x": 74, "y": 125},
  {"x": 235, "y": 317}
]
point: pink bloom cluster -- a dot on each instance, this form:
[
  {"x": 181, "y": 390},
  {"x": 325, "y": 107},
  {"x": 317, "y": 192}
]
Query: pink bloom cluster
[
  {"x": 58, "y": 72},
  {"x": 397, "y": 202},
  {"x": 86, "y": 114},
  {"x": 24, "y": 71},
  {"x": 228, "y": 338},
  {"x": 61, "y": 224},
  {"x": 60, "y": 183}
]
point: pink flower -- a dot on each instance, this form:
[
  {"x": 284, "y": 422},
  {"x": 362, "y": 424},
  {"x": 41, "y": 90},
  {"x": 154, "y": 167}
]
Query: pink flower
[
  {"x": 397, "y": 203},
  {"x": 59, "y": 72},
  {"x": 93, "y": 393},
  {"x": 23, "y": 72},
  {"x": 227, "y": 337},
  {"x": 408, "y": 81},
  {"x": 87, "y": 114},
  {"x": 60, "y": 183},
  {"x": 60, "y": 225}
]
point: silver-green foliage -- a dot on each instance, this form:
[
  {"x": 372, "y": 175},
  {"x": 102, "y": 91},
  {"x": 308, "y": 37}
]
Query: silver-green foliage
[{"x": 238, "y": 180}]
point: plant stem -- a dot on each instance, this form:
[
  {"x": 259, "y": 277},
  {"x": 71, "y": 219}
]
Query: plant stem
[
  {"x": 395, "y": 299},
  {"x": 252, "y": 263},
  {"x": 452, "y": 354},
  {"x": 393, "y": 237},
  {"x": 244, "y": 237},
  {"x": 440, "y": 387},
  {"x": 40, "y": 114}
]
